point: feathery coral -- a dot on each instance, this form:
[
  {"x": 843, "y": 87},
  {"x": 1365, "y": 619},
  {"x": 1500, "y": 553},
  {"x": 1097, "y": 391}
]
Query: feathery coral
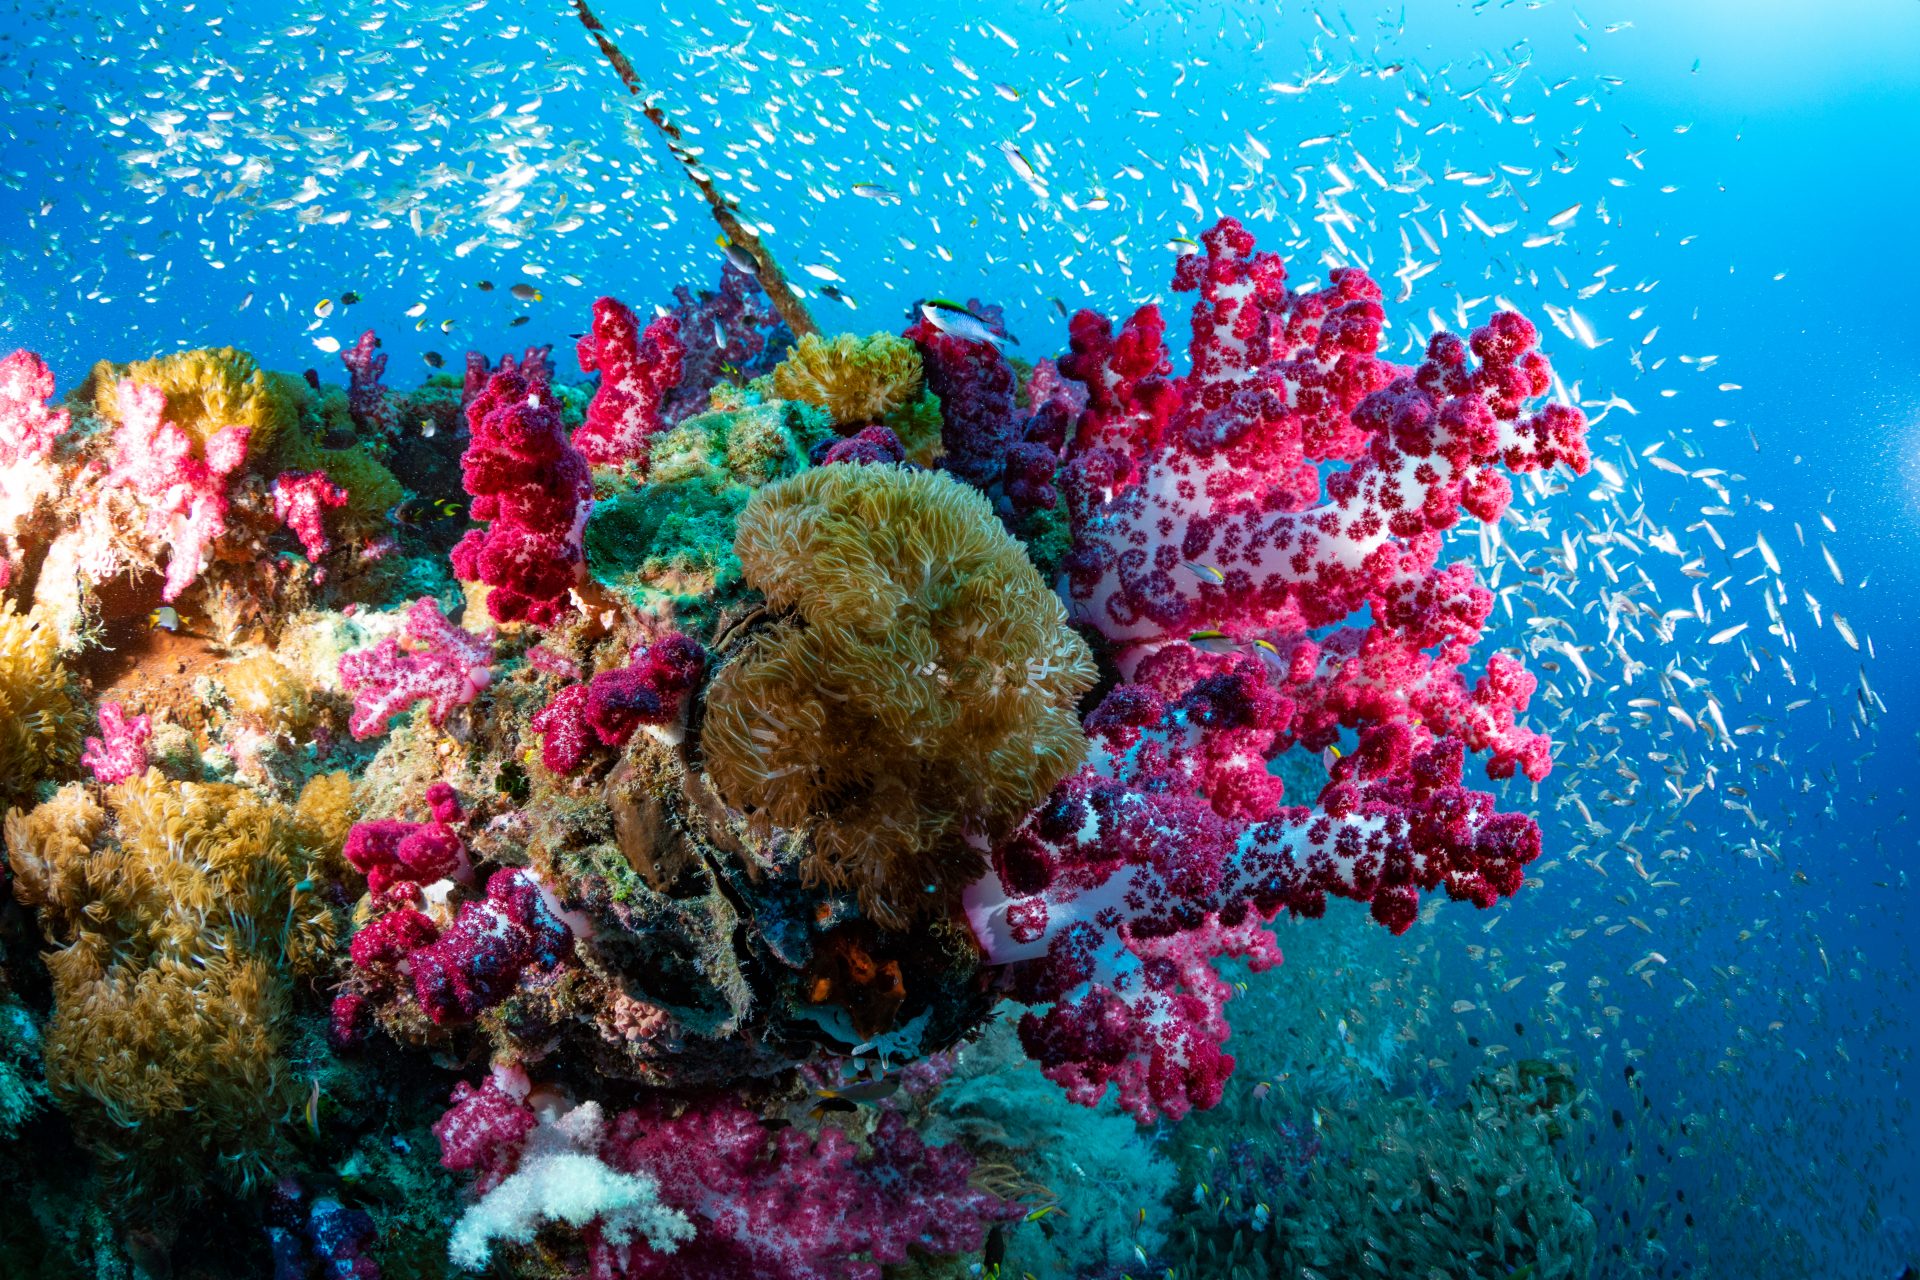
[
  {"x": 920, "y": 687},
  {"x": 41, "y": 714},
  {"x": 858, "y": 381},
  {"x": 178, "y": 909}
]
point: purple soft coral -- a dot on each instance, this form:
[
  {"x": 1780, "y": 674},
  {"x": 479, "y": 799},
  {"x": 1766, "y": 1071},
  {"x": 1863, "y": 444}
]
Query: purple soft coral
[{"x": 478, "y": 962}]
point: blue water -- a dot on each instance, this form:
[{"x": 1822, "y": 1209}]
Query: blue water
[{"x": 1755, "y": 160}]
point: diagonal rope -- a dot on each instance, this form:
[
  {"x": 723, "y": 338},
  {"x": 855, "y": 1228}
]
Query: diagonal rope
[{"x": 765, "y": 269}]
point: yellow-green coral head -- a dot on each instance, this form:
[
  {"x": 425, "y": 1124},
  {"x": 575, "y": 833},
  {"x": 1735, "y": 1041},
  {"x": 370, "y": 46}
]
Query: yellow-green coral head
[
  {"x": 918, "y": 695},
  {"x": 208, "y": 389},
  {"x": 42, "y": 712},
  {"x": 856, "y": 380}
]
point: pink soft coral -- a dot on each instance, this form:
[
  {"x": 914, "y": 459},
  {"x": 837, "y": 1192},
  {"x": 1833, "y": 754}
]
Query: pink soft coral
[
  {"x": 185, "y": 496},
  {"x": 366, "y": 396},
  {"x": 440, "y": 664},
  {"x": 636, "y": 371},
  {"x": 120, "y": 752},
  {"x": 301, "y": 500},
  {"x": 27, "y": 425}
]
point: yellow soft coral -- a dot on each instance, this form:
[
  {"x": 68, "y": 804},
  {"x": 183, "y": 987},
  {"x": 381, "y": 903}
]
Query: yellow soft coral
[
  {"x": 918, "y": 695},
  {"x": 42, "y": 713},
  {"x": 265, "y": 696},
  {"x": 856, "y": 380},
  {"x": 181, "y": 912},
  {"x": 372, "y": 490},
  {"x": 208, "y": 389}
]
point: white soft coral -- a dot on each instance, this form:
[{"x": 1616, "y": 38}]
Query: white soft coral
[{"x": 560, "y": 1178}]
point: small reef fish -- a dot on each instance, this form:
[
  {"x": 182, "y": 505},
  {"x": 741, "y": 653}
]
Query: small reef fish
[{"x": 957, "y": 321}]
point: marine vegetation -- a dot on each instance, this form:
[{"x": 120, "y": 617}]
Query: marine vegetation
[{"x": 681, "y": 822}]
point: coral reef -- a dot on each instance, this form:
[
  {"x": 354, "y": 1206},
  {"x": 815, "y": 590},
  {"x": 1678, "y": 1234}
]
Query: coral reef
[
  {"x": 195, "y": 468},
  {"x": 920, "y": 687},
  {"x": 859, "y": 716}
]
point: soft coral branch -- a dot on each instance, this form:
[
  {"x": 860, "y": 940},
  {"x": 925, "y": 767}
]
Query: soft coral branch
[{"x": 1208, "y": 556}]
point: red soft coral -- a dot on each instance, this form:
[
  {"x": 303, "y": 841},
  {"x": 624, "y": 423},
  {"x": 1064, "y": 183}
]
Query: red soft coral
[
  {"x": 636, "y": 371},
  {"x": 533, "y": 489}
]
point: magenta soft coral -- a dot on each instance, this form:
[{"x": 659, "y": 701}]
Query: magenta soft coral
[
  {"x": 1116, "y": 891},
  {"x": 535, "y": 364},
  {"x": 462, "y": 971},
  {"x": 1220, "y": 522},
  {"x": 782, "y": 1205},
  {"x": 440, "y": 664},
  {"x": 650, "y": 690},
  {"x": 533, "y": 489},
  {"x": 636, "y": 371},
  {"x": 987, "y": 442},
  {"x": 1206, "y": 554},
  {"x": 386, "y": 850}
]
